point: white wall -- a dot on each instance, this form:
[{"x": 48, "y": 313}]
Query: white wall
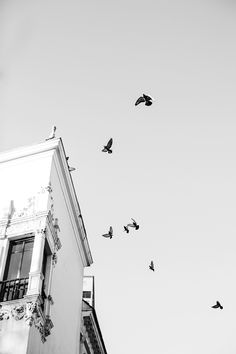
[{"x": 19, "y": 180}]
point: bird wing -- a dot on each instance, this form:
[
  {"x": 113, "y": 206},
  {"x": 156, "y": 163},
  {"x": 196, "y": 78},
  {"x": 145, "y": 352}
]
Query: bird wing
[
  {"x": 111, "y": 230},
  {"x": 139, "y": 100},
  {"x": 152, "y": 264},
  {"x": 130, "y": 225},
  {"x": 147, "y": 98},
  {"x": 109, "y": 144},
  {"x": 133, "y": 221},
  {"x": 215, "y": 306},
  {"x": 106, "y": 235},
  {"x": 217, "y": 303}
]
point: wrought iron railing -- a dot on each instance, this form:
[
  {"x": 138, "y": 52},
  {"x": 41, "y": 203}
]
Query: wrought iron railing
[{"x": 13, "y": 289}]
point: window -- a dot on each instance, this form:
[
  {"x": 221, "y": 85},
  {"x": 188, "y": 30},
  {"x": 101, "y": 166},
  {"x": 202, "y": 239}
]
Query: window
[
  {"x": 15, "y": 280},
  {"x": 19, "y": 259},
  {"x": 87, "y": 294}
]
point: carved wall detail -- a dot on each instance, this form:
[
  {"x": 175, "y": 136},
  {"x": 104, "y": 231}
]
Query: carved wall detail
[
  {"x": 4, "y": 313},
  {"x": 32, "y": 313}
]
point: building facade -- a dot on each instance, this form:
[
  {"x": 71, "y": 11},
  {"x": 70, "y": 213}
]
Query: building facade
[
  {"x": 91, "y": 338},
  {"x": 43, "y": 252}
]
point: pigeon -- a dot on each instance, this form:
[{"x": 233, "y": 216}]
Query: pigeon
[
  {"x": 107, "y": 148},
  {"x": 53, "y": 132},
  {"x": 134, "y": 224},
  {"x": 71, "y": 169},
  {"x": 110, "y": 233},
  {"x": 144, "y": 98},
  {"x": 218, "y": 305},
  {"x": 126, "y": 229},
  {"x": 152, "y": 266}
]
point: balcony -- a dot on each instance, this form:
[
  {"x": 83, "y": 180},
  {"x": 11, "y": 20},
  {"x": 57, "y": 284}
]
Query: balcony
[{"x": 13, "y": 289}]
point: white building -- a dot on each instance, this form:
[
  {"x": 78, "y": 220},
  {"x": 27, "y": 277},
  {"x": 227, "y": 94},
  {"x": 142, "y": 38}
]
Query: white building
[
  {"x": 91, "y": 335},
  {"x": 43, "y": 252}
]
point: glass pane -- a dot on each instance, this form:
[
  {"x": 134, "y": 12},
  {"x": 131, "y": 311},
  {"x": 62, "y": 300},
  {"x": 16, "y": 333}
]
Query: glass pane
[
  {"x": 28, "y": 245},
  {"x": 14, "y": 266},
  {"x": 26, "y": 262}
]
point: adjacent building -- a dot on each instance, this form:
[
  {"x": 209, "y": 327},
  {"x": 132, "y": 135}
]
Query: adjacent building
[
  {"x": 43, "y": 253},
  {"x": 91, "y": 335}
]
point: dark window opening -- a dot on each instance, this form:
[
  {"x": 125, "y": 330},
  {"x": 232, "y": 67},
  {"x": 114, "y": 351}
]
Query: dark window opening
[
  {"x": 87, "y": 294},
  {"x": 16, "y": 276}
]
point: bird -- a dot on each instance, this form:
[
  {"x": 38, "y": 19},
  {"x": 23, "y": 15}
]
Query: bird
[
  {"x": 152, "y": 266},
  {"x": 71, "y": 169},
  {"x": 134, "y": 224},
  {"x": 218, "y": 305},
  {"x": 107, "y": 148},
  {"x": 53, "y": 132},
  {"x": 109, "y": 234},
  {"x": 126, "y": 229},
  {"x": 144, "y": 98}
]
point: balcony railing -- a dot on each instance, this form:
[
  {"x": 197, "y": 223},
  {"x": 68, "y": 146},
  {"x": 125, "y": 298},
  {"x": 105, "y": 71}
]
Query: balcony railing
[{"x": 13, "y": 289}]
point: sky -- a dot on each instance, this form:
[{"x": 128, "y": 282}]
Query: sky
[{"x": 81, "y": 66}]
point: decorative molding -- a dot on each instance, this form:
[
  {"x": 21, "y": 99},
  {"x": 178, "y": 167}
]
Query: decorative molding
[
  {"x": 54, "y": 259},
  {"x": 4, "y": 313},
  {"x": 50, "y": 299},
  {"x": 18, "y": 312},
  {"x": 54, "y": 230},
  {"x": 23, "y": 226},
  {"x": 91, "y": 334},
  {"x": 31, "y": 312}
]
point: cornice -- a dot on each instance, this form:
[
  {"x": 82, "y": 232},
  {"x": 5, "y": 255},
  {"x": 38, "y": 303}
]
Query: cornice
[{"x": 25, "y": 151}]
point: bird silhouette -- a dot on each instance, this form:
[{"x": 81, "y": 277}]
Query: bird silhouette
[
  {"x": 218, "y": 305},
  {"x": 107, "y": 148},
  {"x": 152, "y": 266},
  {"x": 126, "y": 229},
  {"x": 144, "y": 98},
  {"x": 53, "y": 132},
  {"x": 109, "y": 234},
  {"x": 134, "y": 224}
]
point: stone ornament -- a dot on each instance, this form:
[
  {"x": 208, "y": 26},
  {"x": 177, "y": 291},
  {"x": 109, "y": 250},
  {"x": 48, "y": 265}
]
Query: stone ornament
[
  {"x": 18, "y": 312},
  {"x": 32, "y": 314}
]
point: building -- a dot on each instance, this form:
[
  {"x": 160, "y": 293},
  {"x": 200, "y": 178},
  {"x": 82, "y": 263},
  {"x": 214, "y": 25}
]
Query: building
[
  {"x": 91, "y": 335},
  {"x": 43, "y": 253}
]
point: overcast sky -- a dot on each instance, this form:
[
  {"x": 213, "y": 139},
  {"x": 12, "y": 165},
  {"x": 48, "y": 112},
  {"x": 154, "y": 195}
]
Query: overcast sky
[{"x": 81, "y": 65}]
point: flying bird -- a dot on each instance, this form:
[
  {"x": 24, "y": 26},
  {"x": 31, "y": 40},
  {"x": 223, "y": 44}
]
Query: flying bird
[
  {"x": 109, "y": 234},
  {"x": 152, "y": 266},
  {"x": 53, "y": 133},
  {"x": 218, "y": 305},
  {"x": 126, "y": 229},
  {"x": 144, "y": 98},
  {"x": 107, "y": 148},
  {"x": 71, "y": 169},
  {"x": 134, "y": 224}
]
